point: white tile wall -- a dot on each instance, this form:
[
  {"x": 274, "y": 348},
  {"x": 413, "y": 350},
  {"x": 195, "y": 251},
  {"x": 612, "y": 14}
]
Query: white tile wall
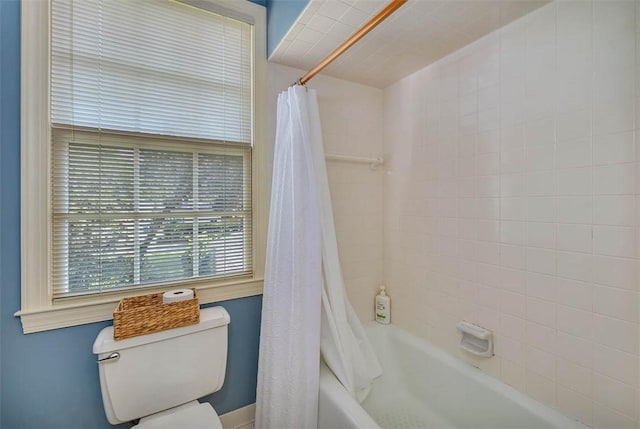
[
  {"x": 511, "y": 200},
  {"x": 351, "y": 118}
]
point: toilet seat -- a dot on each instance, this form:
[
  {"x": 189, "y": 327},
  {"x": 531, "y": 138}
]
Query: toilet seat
[{"x": 192, "y": 415}]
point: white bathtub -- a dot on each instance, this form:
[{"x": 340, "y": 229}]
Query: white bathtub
[{"x": 424, "y": 387}]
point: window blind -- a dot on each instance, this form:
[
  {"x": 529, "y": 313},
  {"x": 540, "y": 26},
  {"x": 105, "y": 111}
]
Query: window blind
[
  {"x": 151, "y": 66},
  {"x": 151, "y": 113}
]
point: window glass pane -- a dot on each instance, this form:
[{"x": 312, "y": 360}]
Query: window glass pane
[
  {"x": 222, "y": 245},
  {"x": 166, "y": 250},
  {"x": 221, "y": 182},
  {"x": 100, "y": 178},
  {"x": 166, "y": 180},
  {"x": 101, "y": 254}
]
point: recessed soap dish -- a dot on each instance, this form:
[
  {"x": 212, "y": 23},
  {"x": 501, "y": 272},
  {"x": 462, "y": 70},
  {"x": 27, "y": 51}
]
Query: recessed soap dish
[{"x": 476, "y": 339}]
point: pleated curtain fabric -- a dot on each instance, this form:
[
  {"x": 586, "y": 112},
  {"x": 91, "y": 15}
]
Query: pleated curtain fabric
[
  {"x": 288, "y": 368},
  {"x": 305, "y": 310},
  {"x": 344, "y": 345}
]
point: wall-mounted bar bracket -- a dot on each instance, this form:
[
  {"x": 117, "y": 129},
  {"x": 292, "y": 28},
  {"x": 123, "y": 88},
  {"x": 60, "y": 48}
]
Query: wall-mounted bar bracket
[{"x": 374, "y": 163}]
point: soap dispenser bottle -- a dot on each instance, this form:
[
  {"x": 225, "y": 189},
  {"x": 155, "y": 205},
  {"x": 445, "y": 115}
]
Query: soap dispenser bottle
[{"x": 383, "y": 307}]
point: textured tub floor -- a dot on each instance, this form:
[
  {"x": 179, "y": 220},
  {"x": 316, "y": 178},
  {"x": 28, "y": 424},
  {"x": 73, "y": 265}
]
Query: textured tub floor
[{"x": 406, "y": 412}]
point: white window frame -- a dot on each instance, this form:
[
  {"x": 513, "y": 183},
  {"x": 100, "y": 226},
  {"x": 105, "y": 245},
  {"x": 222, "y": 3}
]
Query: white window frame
[{"x": 38, "y": 310}]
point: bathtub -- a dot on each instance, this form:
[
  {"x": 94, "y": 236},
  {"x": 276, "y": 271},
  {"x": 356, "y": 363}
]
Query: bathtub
[{"x": 424, "y": 387}]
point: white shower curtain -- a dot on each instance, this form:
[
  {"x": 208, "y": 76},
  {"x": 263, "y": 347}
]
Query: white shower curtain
[
  {"x": 303, "y": 275},
  {"x": 287, "y": 393}
]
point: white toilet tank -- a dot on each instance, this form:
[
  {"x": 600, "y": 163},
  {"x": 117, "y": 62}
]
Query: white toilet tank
[{"x": 144, "y": 375}]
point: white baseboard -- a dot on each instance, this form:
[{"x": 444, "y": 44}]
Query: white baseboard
[{"x": 242, "y": 418}]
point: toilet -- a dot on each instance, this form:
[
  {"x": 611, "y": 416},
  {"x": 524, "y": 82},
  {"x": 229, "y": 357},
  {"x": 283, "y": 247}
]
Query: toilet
[{"x": 158, "y": 377}]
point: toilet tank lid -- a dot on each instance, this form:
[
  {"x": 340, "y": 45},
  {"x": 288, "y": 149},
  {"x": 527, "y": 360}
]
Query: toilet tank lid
[{"x": 210, "y": 317}]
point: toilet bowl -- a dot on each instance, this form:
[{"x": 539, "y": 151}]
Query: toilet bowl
[
  {"x": 193, "y": 415},
  {"x": 158, "y": 377}
]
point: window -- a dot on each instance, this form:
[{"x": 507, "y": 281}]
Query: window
[
  {"x": 130, "y": 212},
  {"x": 140, "y": 153}
]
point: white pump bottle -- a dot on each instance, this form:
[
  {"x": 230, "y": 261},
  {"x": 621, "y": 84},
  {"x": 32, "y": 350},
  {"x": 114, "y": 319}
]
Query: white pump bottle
[{"x": 383, "y": 307}]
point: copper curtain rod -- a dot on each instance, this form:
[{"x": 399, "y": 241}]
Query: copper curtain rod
[{"x": 370, "y": 25}]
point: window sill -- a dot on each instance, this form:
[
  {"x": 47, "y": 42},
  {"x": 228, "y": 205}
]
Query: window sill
[{"x": 97, "y": 309}]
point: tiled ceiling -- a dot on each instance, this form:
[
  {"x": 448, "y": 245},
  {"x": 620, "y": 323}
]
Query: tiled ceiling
[{"x": 416, "y": 35}]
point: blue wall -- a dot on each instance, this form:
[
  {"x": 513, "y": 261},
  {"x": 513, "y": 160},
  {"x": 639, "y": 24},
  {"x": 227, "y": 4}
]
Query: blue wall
[
  {"x": 281, "y": 15},
  {"x": 50, "y": 379}
]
